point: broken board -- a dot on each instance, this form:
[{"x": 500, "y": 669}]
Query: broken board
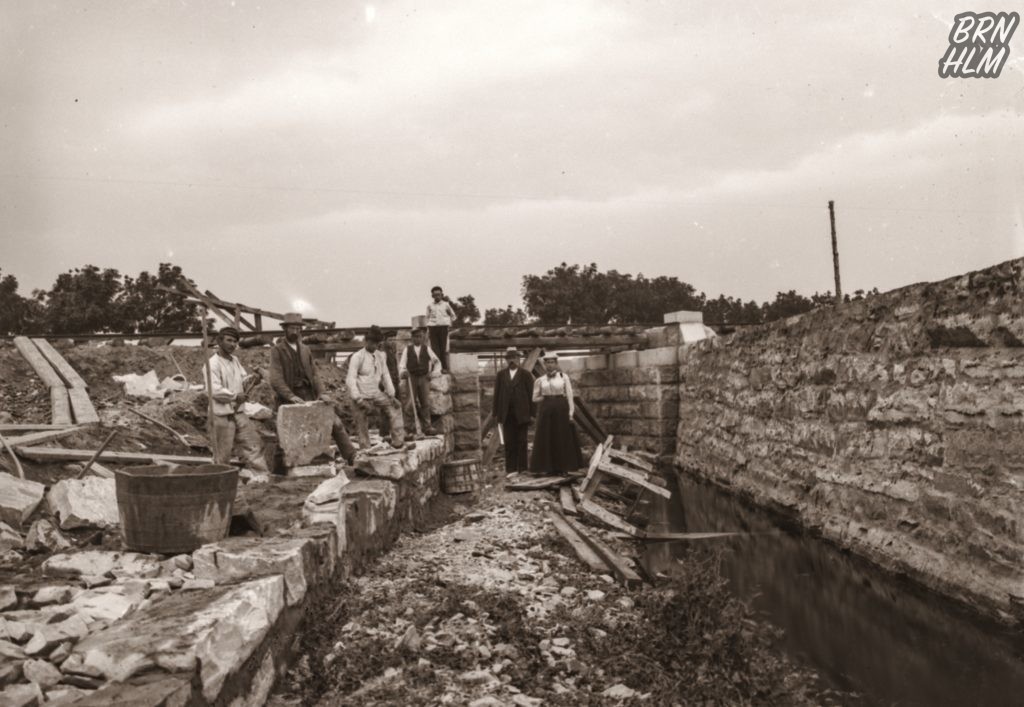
[
  {"x": 677, "y": 537},
  {"x": 39, "y": 437},
  {"x": 81, "y": 455},
  {"x": 619, "y": 566},
  {"x": 582, "y": 549},
  {"x": 544, "y": 482},
  {"x": 566, "y": 500}
]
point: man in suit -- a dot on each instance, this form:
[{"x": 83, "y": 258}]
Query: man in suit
[
  {"x": 513, "y": 407},
  {"x": 294, "y": 378}
]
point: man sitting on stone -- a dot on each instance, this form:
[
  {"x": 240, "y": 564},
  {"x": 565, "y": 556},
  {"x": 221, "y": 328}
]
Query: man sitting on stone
[
  {"x": 231, "y": 429},
  {"x": 370, "y": 387},
  {"x": 420, "y": 364},
  {"x": 294, "y": 378}
]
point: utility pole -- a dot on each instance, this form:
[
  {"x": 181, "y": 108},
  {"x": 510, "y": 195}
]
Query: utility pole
[{"x": 835, "y": 250}]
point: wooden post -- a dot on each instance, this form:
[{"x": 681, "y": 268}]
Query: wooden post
[
  {"x": 835, "y": 250},
  {"x": 209, "y": 387}
]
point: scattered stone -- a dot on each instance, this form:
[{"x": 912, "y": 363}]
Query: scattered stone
[
  {"x": 84, "y": 503},
  {"x": 104, "y": 606},
  {"x": 465, "y": 535},
  {"x": 10, "y": 539},
  {"x": 22, "y": 696},
  {"x": 59, "y": 654},
  {"x": 487, "y": 701},
  {"x": 9, "y": 651},
  {"x": 8, "y": 599},
  {"x": 521, "y": 700},
  {"x": 475, "y": 517},
  {"x": 89, "y": 581},
  {"x": 476, "y": 677},
  {"x": 561, "y": 642},
  {"x": 626, "y": 603},
  {"x": 53, "y": 595},
  {"x": 18, "y": 631},
  {"x": 10, "y": 671},
  {"x": 41, "y": 673},
  {"x": 65, "y": 694},
  {"x": 183, "y": 562},
  {"x": 410, "y": 641},
  {"x": 190, "y": 584},
  {"x": 595, "y": 595},
  {"x": 89, "y": 563},
  {"x": 82, "y": 681},
  {"x": 49, "y": 636},
  {"x": 19, "y": 498},
  {"x": 619, "y": 692},
  {"x": 568, "y": 591},
  {"x": 175, "y": 582},
  {"x": 44, "y": 536}
]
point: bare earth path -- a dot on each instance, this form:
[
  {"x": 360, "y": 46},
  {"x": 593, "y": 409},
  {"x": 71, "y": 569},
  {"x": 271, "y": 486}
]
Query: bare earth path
[{"x": 494, "y": 609}]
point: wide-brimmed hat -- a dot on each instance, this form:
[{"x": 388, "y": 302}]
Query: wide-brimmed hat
[
  {"x": 374, "y": 334},
  {"x": 291, "y": 318},
  {"x": 513, "y": 352}
]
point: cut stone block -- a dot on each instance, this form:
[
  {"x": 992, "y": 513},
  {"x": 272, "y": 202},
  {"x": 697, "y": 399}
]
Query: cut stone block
[
  {"x": 304, "y": 431},
  {"x": 696, "y": 332},
  {"x": 84, "y": 503},
  {"x": 461, "y": 363},
  {"x": 327, "y": 469},
  {"x": 440, "y": 403},
  {"x": 237, "y": 559},
  {"x": 662, "y": 356},
  {"x": 684, "y": 317},
  {"x": 596, "y": 362},
  {"x": 216, "y": 630},
  {"x": 19, "y": 498},
  {"x": 625, "y": 359}
]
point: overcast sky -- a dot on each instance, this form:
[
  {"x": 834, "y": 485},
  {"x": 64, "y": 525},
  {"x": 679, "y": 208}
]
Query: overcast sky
[{"x": 349, "y": 156}]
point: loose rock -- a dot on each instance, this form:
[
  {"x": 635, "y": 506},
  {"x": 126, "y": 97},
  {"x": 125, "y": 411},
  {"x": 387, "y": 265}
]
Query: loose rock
[
  {"x": 41, "y": 673},
  {"x": 19, "y": 498},
  {"x": 84, "y": 503}
]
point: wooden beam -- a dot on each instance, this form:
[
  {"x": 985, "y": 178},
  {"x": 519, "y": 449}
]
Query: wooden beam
[
  {"x": 60, "y": 406},
  {"x": 632, "y": 459},
  {"x": 44, "y": 454},
  {"x": 38, "y": 437},
  {"x": 39, "y": 364},
  {"x": 619, "y": 565},
  {"x": 544, "y": 482},
  {"x": 550, "y": 343},
  {"x": 583, "y": 550},
  {"x": 565, "y": 498},
  {"x": 82, "y": 407},
  {"x": 632, "y": 477},
  {"x": 29, "y": 427},
  {"x": 676, "y": 537},
  {"x": 607, "y": 517},
  {"x": 236, "y": 309},
  {"x": 60, "y": 364}
]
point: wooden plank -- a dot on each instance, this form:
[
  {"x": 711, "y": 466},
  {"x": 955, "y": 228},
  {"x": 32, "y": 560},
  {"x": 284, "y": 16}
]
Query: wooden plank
[
  {"x": 29, "y": 427},
  {"x": 60, "y": 364},
  {"x": 565, "y": 498},
  {"x": 674, "y": 537},
  {"x": 583, "y": 550},
  {"x": 45, "y": 454},
  {"x": 544, "y": 482},
  {"x": 236, "y": 310},
  {"x": 608, "y": 518},
  {"x": 39, "y": 364},
  {"x": 590, "y": 483},
  {"x": 470, "y": 345},
  {"x": 60, "y": 406},
  {"x": 101, "y": 471},
  {"x": 619, "y": 565},
  {"x": 633, "y": 478},
  {"x": 81, "y": 406},
  {"x": 43, "y": 436},
  {"x": 632, "y": 459}
]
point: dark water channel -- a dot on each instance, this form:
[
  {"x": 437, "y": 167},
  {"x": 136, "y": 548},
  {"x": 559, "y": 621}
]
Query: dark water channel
[{"x": 863, "y": 630}]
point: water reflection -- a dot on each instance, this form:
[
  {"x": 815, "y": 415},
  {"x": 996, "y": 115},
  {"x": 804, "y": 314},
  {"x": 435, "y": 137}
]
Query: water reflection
[{"x": 863, "y": 630}]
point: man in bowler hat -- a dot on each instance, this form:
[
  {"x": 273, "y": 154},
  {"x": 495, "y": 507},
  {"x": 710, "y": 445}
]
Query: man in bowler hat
[{"x": 513, "y": 408}]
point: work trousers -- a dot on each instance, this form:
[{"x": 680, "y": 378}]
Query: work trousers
[
  {"x": 385, "y": 405},
  {"x": 236, "y": 432},
  {"x": 419, "y": 389},
  {"x": 439, "y": 344},
  {"x": 517, "y": 455}
]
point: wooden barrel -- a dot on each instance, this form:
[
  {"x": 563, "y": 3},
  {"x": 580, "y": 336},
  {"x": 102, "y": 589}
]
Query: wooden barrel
[
  {"x": 460, "y": 475},
  {"x": 173, "y": 510}
]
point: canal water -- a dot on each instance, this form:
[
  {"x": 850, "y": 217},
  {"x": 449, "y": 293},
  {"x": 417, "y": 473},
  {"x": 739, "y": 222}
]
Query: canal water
[{"x": 864, "y": 631}]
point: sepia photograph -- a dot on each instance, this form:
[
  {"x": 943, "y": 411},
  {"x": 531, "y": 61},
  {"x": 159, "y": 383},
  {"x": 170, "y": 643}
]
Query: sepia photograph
[{"x": 511, "y": 354}]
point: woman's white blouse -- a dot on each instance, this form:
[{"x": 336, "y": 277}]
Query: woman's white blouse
[{"x": 557, "y": 385}]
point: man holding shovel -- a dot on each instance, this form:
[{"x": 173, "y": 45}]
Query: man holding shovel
[
  {"x": 419, "y": 364},
  {"x": 231, "y": 428},
  {"x": 294, "y": 378}
]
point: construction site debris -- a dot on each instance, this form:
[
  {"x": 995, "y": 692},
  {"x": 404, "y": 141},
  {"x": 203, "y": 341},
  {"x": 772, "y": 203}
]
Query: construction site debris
[
  {"x": 304, "y": 431},
  {"x": 84, "y": 503},
  {"x": 18, "y": 499}
]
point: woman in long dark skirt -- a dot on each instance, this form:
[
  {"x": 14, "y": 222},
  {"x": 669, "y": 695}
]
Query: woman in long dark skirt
[{"x": 556, "y": 445}]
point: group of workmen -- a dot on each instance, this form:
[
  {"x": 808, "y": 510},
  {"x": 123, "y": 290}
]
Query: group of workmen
[{"x": 372, "y": 382}]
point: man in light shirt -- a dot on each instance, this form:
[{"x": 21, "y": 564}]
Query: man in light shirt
[
  {"x": 231, "y": 429},
  {"x": 370, "y": 387},
  {"x": 440, "y": 316},
  {"x": 420, "y": 364}
]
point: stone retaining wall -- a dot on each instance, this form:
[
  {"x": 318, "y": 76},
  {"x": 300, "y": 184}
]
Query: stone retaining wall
[
  {"x": 465, "y": 403},
  {"x": 892, "y": 425},
  {"x": 220, "y": 631}
]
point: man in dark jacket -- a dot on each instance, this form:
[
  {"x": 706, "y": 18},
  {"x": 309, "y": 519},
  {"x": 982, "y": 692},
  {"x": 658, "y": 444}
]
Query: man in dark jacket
[
  {"x": 420, "y": 364},
  {"x": 294, "y": 378},
  {"x": 513, "y": 407}
]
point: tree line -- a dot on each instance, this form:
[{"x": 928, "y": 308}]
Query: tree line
[{"x": 93, "y": 300}]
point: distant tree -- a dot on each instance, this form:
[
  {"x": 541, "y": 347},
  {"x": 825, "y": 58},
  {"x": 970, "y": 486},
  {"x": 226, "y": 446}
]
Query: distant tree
[
  {"x": 466, "y": 311},
  {"x": 786, "y": 304},
  {"x": 147, "y": 309},
  {"x": 729, "y": 310},
  {"x": 84, "y": 300},
  {"x": 505, "y": 317},
  {"x": 568, "y": 295},
  {"x": 18, "y": 314}
]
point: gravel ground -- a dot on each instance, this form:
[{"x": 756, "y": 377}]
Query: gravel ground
[{"x": 493, "y": 608}]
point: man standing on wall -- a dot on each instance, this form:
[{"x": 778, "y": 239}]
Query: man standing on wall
[
  {"x": 294, "y": 378},
  {"x": 231, "y": 427},
  {"x": 440, "y": 316},
  {"x": 420, "y": 364},
  {"x": 513, "y": 408},
  {"x": 369, "y": 385}
]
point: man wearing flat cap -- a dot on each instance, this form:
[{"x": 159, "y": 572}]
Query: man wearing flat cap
[
  {"x": 513, "y": 408},
  {"x": 294, "y": 378},
  {"x": 419, "y": 364},
  {"x": 370, "y": 387},
  {"x": 231, "y": 428}
]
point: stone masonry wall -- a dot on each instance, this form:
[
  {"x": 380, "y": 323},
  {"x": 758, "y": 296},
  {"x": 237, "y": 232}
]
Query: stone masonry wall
[
  {"x": 892, "y": 425},
  {"x": 465, "y": 391}
]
